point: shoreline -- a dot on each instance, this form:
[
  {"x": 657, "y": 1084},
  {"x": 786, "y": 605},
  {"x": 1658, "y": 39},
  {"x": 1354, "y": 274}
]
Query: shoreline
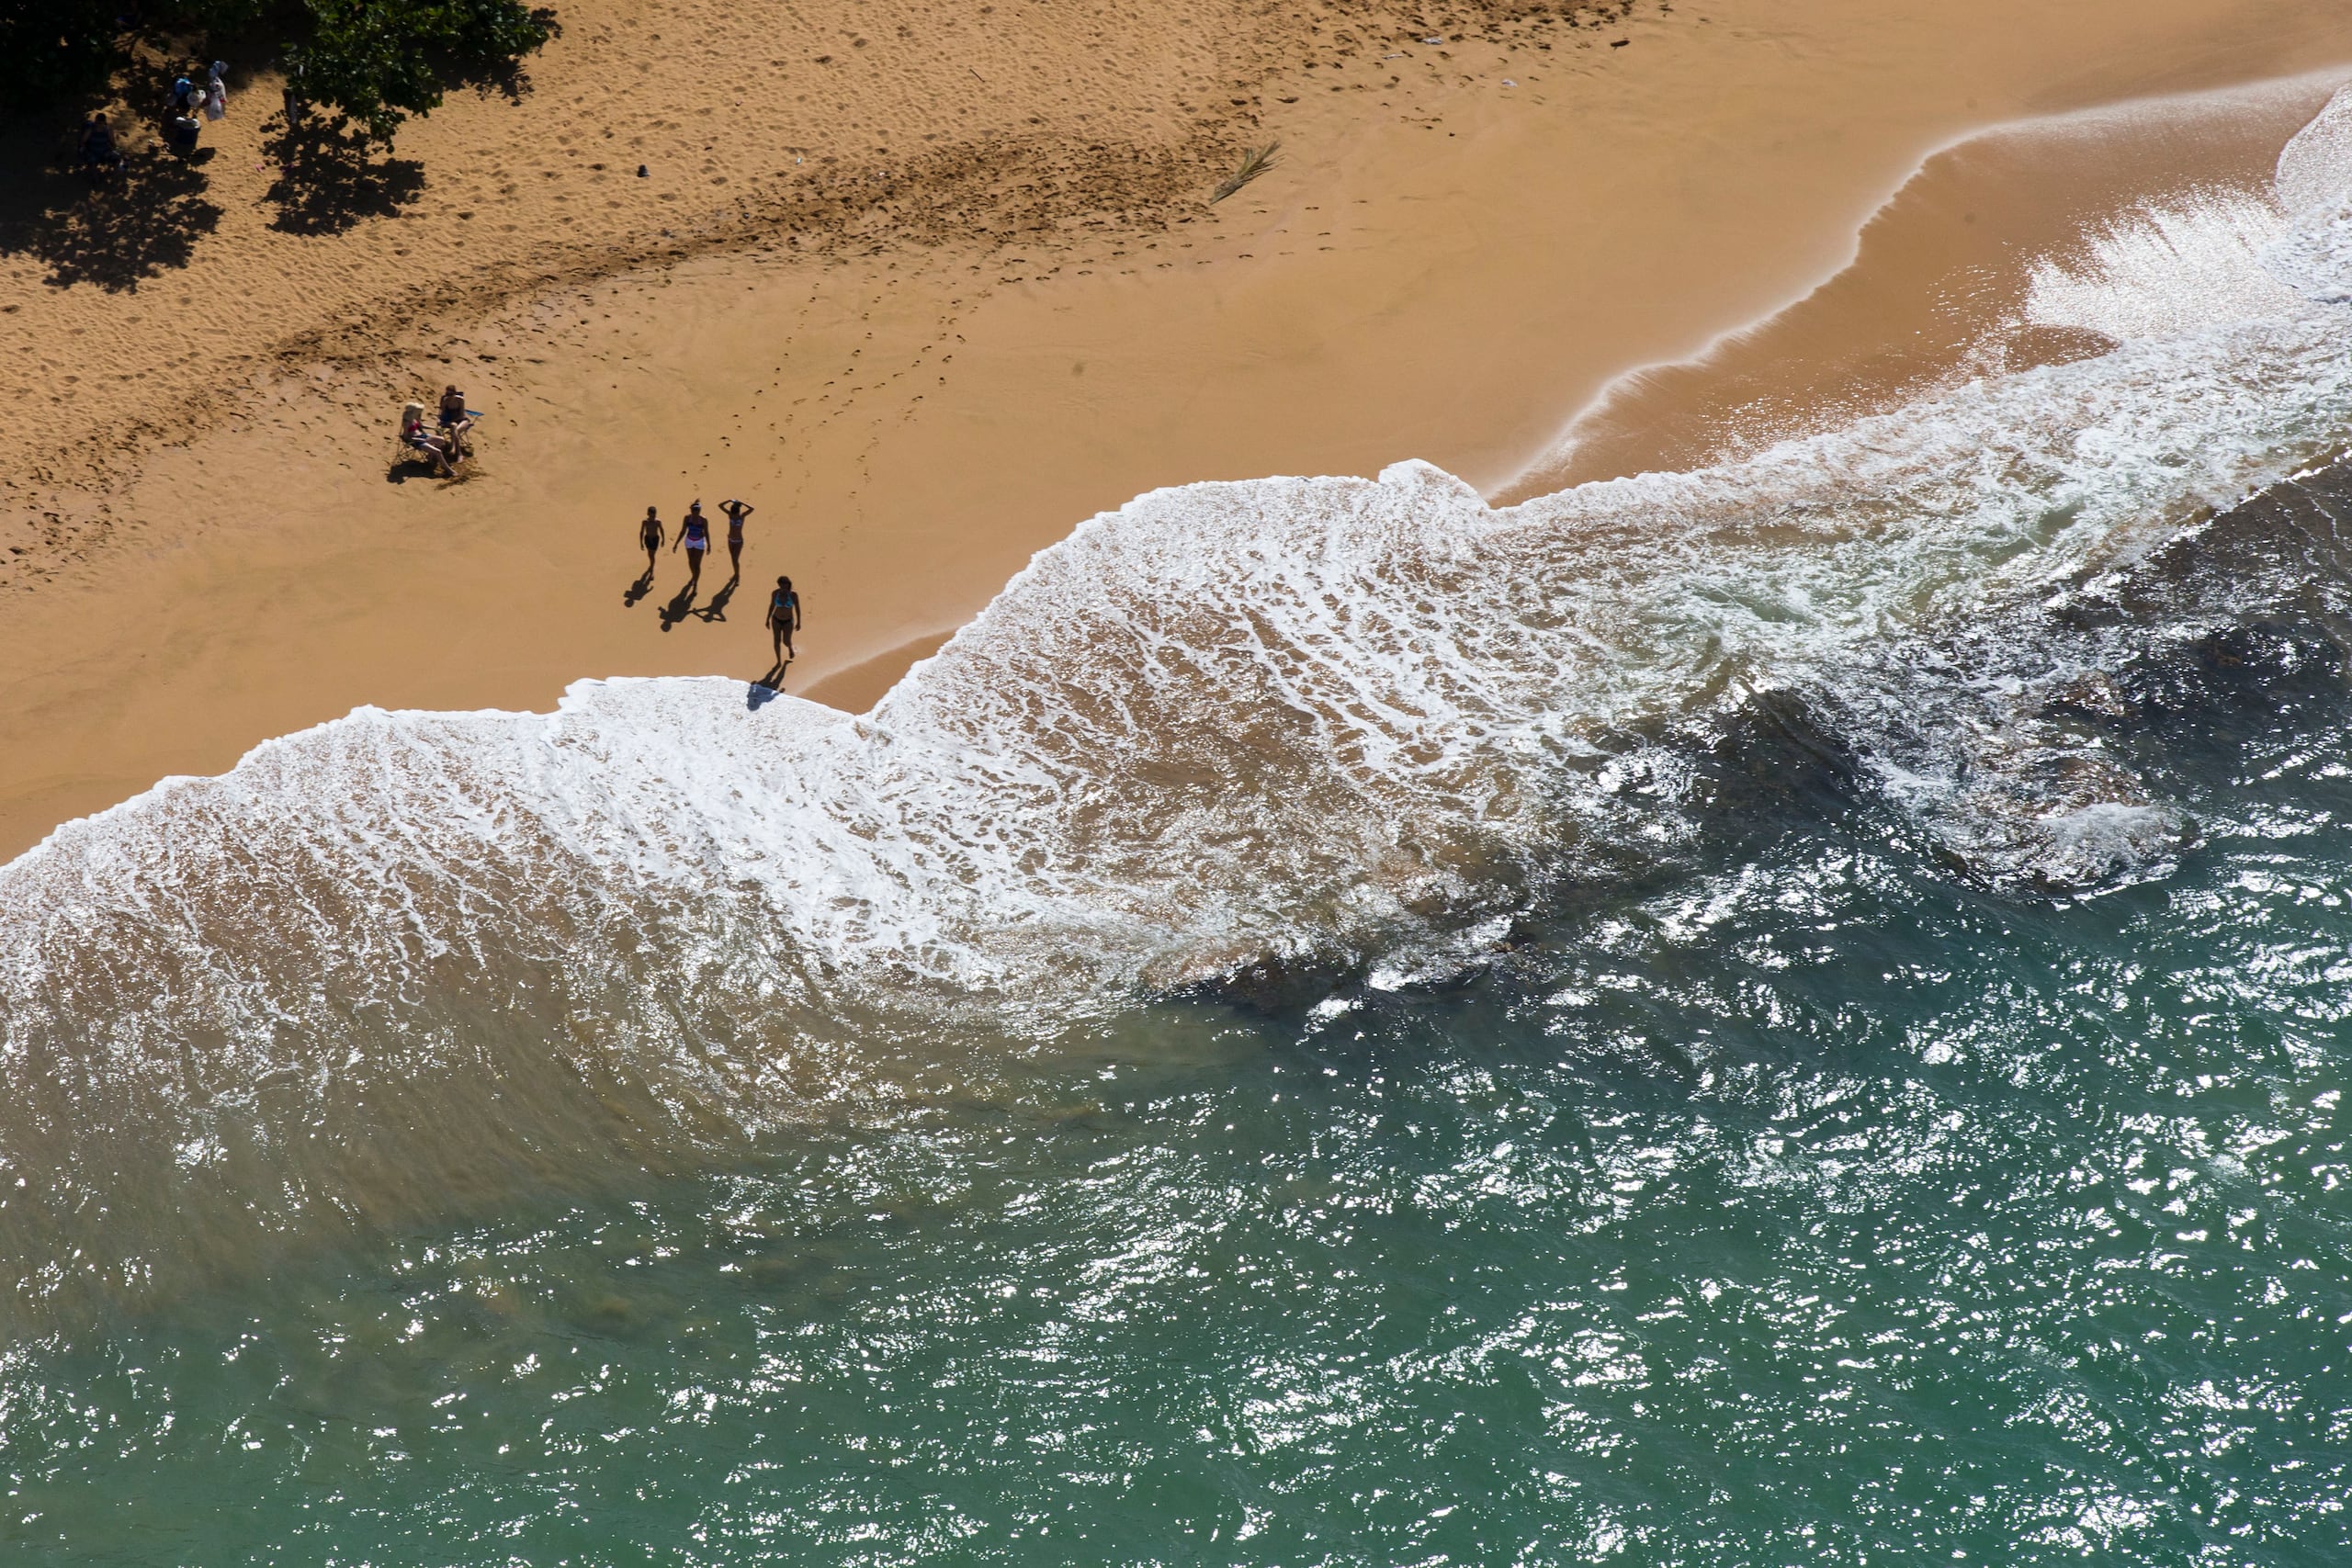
[
  {"x": 1937, "y": 282},
  {"x": 1392, "y": 288}
]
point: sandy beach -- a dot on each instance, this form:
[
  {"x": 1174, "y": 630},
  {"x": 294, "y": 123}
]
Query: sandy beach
[{"x": 928, "y": 291}]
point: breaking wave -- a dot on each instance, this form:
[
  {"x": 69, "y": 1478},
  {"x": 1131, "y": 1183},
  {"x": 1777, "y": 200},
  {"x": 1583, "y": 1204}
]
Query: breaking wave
[{"x": 1263, "y": 737}]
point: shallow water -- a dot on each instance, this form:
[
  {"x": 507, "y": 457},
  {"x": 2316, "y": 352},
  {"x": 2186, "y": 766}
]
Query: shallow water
[{"x": 1790, "y": 1012}]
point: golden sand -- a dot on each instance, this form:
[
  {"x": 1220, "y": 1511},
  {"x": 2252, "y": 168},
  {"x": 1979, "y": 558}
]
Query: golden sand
[{"x": 927, "y": 290}]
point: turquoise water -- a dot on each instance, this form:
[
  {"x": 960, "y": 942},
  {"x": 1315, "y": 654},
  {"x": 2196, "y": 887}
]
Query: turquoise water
[{"x": 1810, "y": 1206}]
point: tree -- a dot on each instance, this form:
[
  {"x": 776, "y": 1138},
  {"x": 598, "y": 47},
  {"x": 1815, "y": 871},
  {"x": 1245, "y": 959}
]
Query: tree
[
  {"x": 373, "y": 63},
  {"x": 379, "y": 62},
  {"x": 55, "y": 49}
]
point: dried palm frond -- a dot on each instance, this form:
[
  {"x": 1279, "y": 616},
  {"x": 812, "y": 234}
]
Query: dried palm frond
[{"x": 1255, "y": 162}]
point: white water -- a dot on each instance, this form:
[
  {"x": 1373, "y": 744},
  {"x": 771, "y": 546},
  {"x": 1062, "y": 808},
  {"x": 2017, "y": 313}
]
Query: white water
[
  {"x": 1231, "y": 721},
  {"x": 1329, "y": 723},
  {"x": 2313, "y": 253}
]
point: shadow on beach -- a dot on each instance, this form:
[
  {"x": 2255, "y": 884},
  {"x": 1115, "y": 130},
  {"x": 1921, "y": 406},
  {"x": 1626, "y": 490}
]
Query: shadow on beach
[
  {"x": 717, "y": 609},
  {"x": 767, "y": 688},
  {"x": 681, "y": 605},
  {"x": 114, "y": 229},
  {"x": 327, "y": 183}
]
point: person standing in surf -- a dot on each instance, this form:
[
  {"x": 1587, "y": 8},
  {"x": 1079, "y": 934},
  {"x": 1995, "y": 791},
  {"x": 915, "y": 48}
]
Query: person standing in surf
[
  {"x": 694, "y": 533},
  {"x": 736, "y": 512},
  {"x": 653, "y": 536},
  {"x": 784, "y": 619}
]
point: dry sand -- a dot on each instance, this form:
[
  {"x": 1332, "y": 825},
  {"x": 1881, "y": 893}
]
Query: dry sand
[{"x": 1001, "y": 305}]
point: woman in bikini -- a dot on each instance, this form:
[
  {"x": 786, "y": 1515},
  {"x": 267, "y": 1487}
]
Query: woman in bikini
[
  {"x": 784, "y": 618},
  {"x": 736, "y": 512}
]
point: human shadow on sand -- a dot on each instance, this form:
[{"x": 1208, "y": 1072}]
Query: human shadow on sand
[
  {"x": 717, "y": 609},
  {"x": 767, "y": 688},
  {"x": 637, "y": 590},
  {"x": 403, "y": 469},
  {"x": 113, "y": 227},
  {"x": 679, "y": 606}
]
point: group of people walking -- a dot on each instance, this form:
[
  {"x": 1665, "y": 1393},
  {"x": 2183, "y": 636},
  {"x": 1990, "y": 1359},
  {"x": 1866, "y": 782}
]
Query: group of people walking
[
  {"x": 693, "y": 538},
  {"x": 444, "y": 444}
]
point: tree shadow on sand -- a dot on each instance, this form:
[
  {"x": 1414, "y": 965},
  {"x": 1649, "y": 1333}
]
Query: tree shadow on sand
[
  {"x": 327, "y": 183},
  {"x": 114, "y": 229}
]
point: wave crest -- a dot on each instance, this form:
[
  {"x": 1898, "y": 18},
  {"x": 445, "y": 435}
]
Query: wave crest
[{"x": 1331, "y": 726}]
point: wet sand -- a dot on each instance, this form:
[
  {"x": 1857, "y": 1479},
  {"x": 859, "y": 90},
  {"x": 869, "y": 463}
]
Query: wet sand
[
  {"x": 1939, "y": 289},
  {"x": 1446, "y": 266}
]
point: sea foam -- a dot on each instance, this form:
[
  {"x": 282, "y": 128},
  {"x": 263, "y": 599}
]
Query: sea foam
[{"x": 1323, "y": 725}]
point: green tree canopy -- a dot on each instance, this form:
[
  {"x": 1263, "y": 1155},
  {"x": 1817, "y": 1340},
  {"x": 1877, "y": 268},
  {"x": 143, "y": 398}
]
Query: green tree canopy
[
  {"x": 53, "y": 49},
  {"x": 378, "y": 61},
  {"x": 372, "y": 61}
]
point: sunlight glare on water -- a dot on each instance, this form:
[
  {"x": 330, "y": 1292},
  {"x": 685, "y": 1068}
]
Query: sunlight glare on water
[
  {"x": 1795, "y": 1012},
  {"x": 1859, "y": 1220}
]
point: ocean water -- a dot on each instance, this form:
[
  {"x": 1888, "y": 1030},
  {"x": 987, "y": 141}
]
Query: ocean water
[{"x": 1789, "y": 1013}]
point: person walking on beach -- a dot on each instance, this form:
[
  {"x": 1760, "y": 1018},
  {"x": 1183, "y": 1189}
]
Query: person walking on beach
[
  {"x": 694, "y": 533},
  {"x": 784, "y": 619},
  {"x": 216, "y": 92},
  {"x": 652, "y": 536},
  {"x": 736, "y": 512}
]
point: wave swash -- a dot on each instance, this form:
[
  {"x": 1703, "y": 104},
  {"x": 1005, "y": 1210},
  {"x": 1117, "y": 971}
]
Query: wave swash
[{"x": 1228, "y": 737}]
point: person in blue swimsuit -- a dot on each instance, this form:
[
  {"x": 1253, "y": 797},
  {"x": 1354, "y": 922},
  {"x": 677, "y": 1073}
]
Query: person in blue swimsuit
[
  {"x": 784, "y": 618},
  {"x": 694, "y": 533}
]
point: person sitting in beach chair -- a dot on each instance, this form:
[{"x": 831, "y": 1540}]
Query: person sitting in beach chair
[
  {"x": 438, "y": 450},
  {"x": 456, "y": 419},
  {"x": 96, "y": 146}
]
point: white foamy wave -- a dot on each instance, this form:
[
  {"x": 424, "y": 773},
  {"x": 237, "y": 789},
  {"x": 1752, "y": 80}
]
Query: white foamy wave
[
  {"x": 2314, "y": 169},
  {"x": 2168, "y": 270},
  {"x": 2314, "y": 184},
  {"x": 2314, "y": 258},
  {"x": 1230, "y": 724},
  {"x": 2187, "y": 265},
  {"x": 1343, "y": 726}
]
